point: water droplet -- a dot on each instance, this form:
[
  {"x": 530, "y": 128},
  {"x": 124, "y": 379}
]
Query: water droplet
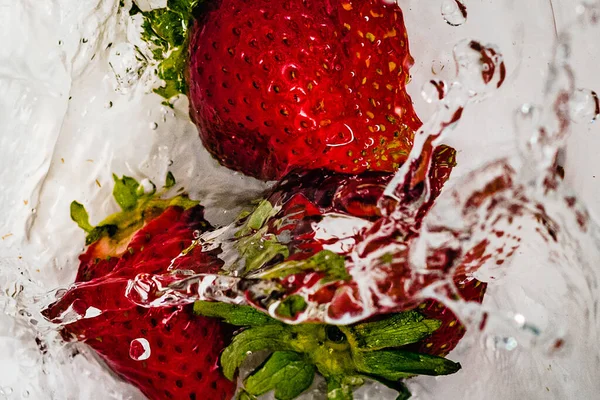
[
  {"x": 108, "y": 105},
  {"x": 454, "y": 12},
  {"x": 139, "y": 349},
  {"x": 585, "y": 106},
  {"x": 25, "y": 394},
  {"x": 153, "y": 126},
  {"x": 433, "y": 91}
]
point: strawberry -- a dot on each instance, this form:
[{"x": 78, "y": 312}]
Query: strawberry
[
  {"x": 166, "y": 352},
  {"x": 277, "y": 86},
  {"x": 284, "y": 241}
]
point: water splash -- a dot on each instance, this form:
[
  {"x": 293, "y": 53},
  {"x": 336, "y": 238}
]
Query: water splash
[
  {"x": 549, "y": 218},
  {"x": 454, "y": 12}
]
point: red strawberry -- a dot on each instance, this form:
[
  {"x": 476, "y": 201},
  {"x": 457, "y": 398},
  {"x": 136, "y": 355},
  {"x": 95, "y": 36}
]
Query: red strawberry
[
  {"x": 166, "y": 352},
  {"x": 283, "y": 240},
  {"x": 280, "y": 85}
]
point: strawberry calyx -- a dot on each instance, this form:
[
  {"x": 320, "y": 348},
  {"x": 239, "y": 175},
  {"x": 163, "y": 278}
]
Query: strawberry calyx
[
  {"x": 166, "y": 31},
  {"x": 111, "y": 237},
  {"x": 343, "y": 355}
]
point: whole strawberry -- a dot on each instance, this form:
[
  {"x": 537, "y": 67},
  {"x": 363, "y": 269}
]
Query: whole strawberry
[
  {"x": 293, "y": 252},
  {"x": 280, "y": 85},
  {"x": 167, "y": 352}
]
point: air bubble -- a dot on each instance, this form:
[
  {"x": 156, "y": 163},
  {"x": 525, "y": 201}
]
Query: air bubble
[
  {"x": 584, "y": 106},
  {"x": 454, "y": 12},
  {"x": 139, "y": 349},
  {"x": 153, "y": 126}
]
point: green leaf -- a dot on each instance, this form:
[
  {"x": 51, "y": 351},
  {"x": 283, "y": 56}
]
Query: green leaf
[
  {"x": 285, "y": 372},
  {"x": 397, "y": 330},
  {"x": 291, "y": 306},
  {"x": 126, "y": 192},
  {"x": 324, "y": 261},
  {"x": 337, "y": 390},
  {"x": 167, "y": 32},
  {"x": 233, "y": 314},
  {"x": 80, "y": 216},
  {"x": 257, "y": 250},
  {"x": 170, "y": 180},
  {"x": 256, "y": 219},
  {"x": 267, "y": 337},
  {"x": 397, "y": 364},
  {"x": 184, "y": 7},
  {"x": 260, "y": 215}
]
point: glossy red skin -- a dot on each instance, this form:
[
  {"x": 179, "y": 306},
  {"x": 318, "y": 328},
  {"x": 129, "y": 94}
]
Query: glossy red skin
[
  {"x": 184, "y": 348},
  {"x": 280, "y": 85}
]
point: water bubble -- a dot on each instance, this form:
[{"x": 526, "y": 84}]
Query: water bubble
[
  {"x": 584, "y": 106},
  {"x": 481, "y": 68},
  {"x": 454, "y": 12},
  {"x": 25, "y": 394},
  {"x": 108, "y": 105},
  {"x": 153, "y": 126},
  {"x": 139, "y": 349},
  {"x": 433, "y": 91},
  {"x": 196, "y": 234}
]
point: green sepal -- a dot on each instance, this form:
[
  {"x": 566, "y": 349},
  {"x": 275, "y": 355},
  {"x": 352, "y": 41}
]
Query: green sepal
[
  {"x": 397, "y": 330},
  {"x": 333, "y": 264},
  {"x": 285, "y": 372},
  {"x": 397, "y": 364},
  {"x": 257, "y": 250},
  {"x": 136, "y": 206},
  {"x": 267, "y": 337},
  {"x": 239, "y": 315},
  {"x": 257, "y": 219},
  {"x": 337, "y": 390},
  {"x": 126, "y": 192},
  {"x": 291, "y": 306},
  {"x": 100, "y": 231},
  {"x": 167, "y": 30},
  {"x": 80, "y": 216}
]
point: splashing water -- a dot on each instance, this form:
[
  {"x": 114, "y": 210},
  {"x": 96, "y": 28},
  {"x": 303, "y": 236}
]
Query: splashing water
[
  {"x": 454, "y": 12},
  {"x": 534, "y": 234}
]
